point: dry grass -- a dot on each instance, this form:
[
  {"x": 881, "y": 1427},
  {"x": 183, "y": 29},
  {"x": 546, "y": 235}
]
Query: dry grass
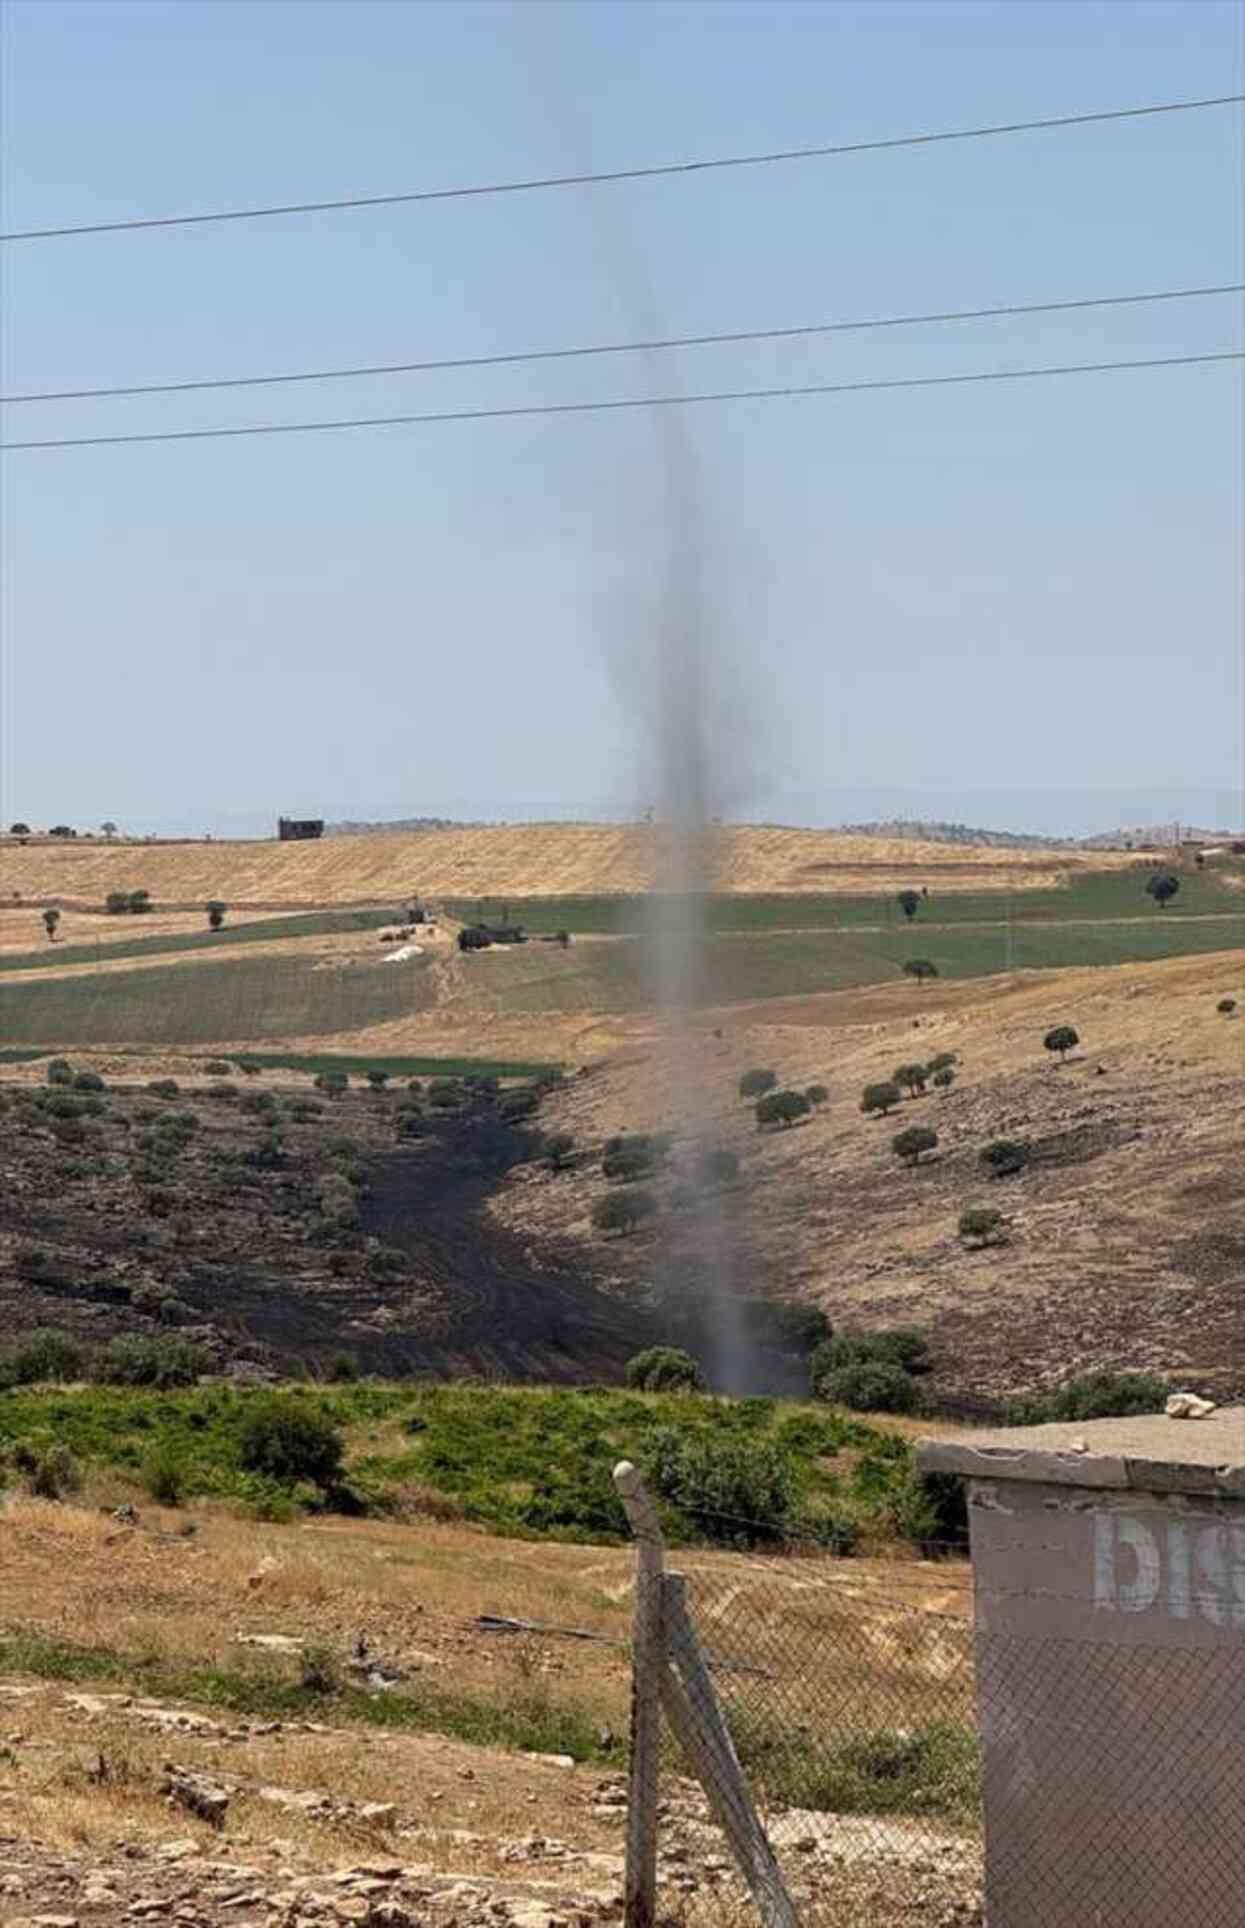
[{"x": 516, "y": 860}]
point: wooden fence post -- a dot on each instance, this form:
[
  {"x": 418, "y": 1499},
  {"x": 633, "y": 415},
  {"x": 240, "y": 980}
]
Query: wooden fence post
[
  {"x": 695, "y": 1714},
  {"x": 647, "y": 1667}
]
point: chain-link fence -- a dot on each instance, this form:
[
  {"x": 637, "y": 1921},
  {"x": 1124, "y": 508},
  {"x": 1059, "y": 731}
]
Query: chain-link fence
[
  {"x": 848, "y": 1691},
  {"x": 852, "y": 1723}
]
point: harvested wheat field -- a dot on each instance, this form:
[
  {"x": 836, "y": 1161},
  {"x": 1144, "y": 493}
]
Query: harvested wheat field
[{"x": 511, "y": 859}]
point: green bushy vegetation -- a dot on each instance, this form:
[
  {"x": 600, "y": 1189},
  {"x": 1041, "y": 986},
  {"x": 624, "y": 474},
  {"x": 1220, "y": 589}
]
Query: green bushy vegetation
[
  {"x": 525, "y": 1461},
  {"x": 664, "y": 1369},
  {"x": 1094, "y": 1395}
]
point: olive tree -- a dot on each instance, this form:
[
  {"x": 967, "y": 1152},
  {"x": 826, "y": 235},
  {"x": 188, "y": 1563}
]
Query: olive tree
[
  {"x": 880, "y": 1098},
  {"x": 51, "y": 918},
  {"x": 910, "y": 1144},
  {"x": 909, "y": 902},
  {"x": 911, "y": 1078},
  {"x": 781, "y": 1108},
  {"x": 754, "y": 1084},
  {"x": 1063, "y": 1038}
]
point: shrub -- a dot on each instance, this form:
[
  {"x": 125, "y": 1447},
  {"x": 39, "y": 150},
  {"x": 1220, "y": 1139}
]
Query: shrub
[
  {"x": 737, "y": 1491},
  {"x": 558, "y": 1147},
  {"x": 944, "y": 1078},
  {"x": 51, "y": 918},
  {"x": 902, "y": 1346},
  {"x": 410, "y": 1123},
  {"x": 909, "y": 902},
  {"x": 284, "y": 1438},
  {"x": 622, "y": 1211},
  {"x": 880, "y": 1098},
  {"x": 332, "y": 1083},
  {"x": 216, "y": 915},
  {"x": 377, "y": 1078},
  {"x": 942, "y": 1061},
  {"x": 50, "y": 1472},
  {"x": 718, "y": 1167},
  {"x": 415, "y": 1087},
  {"x": 910, "y": 1144},
  {"x": 1226, "y": 1006},
  {"x": 222, "y": 1091},
  {"x": 1163, "y": 887},
  {"x": 754, "y": 1084},
  {"x": 871, "y": 1386},
  {"x": 982, "y": 1225},
  {"x": 59, "y": 1072},
  {"x": 781, "y": 1108},
  {"x": 1094, "y": 1395},
  {"x": 269, "y": 1154},
  {"x": 817, "y": 1094},
  {"x": 303, "y": 1110},
  {"x": 664, "y": 1369},
  {"x": 134, "y": 1360},
  {"x": 218, "y": 1067},
  {"x": 164, "y": 1475},
  {"x": 140, "y": 902},
  {"x": 445, "y": 1093},
  {"x": 1004, "y": 1157},
  {"x": 1062, "y": 1039},
  {"x": 46, "y": 1357},
  {"x": 636, "y": 1157},
  {"x": 920, "y": 968},
  {"x": 89, "y": 1081},
  {"x": 386, "y": 1262},
  {"x": 319, "y": 1672},
  {"x": 117, "y": 902},
  {"x": 342, "y": 1369},
  {"x": 260, "y": 1104},
  {"x": 781, "y": 1322},
  {"x": 63, "y": 1104},
  {"x": 164, "y": 1087},
  {"x": 911, "y": 1078}
]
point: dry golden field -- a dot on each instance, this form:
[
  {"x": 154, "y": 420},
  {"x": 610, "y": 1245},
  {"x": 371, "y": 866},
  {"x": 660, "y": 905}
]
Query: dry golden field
[{"x": 512, "y": 859}]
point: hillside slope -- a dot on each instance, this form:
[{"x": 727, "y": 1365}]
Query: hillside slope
[
  {"x": 513, "y": 859},
  {"x": 1127, "y": 1231}
]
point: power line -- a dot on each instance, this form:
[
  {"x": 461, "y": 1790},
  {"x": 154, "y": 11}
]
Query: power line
[
  {"x": 540, "y": 182},
  {"x": 620, "y": 402},
  {"x": 618, "y": 348}
]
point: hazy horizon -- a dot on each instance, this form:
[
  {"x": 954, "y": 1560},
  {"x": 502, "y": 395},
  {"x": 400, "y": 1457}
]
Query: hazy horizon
[{"x": 1014, "y": 603}]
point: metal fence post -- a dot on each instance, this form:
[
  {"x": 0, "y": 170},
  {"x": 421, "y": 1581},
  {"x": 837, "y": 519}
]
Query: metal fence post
[{"x": 647, "y": 1664}]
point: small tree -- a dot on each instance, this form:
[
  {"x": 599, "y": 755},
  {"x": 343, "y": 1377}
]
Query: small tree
[
  {"x": 754, "y": 1084},
  {"x": 880, "y": 1098},
  {"x": 558, "y": 1148},
  {"x": 909, "y": 902},
  {"x": 920, "y": 968},
  {"x": 59, "y": 1072},
  {"x": 216, "y": 914},
  {"x": 664, "y": 1369},
  {"x": 718, "y": 1167},
  {"x": 911, "y": 1143},
  {"x": 51, "y": 918},
  {"x": 109, "y": 829},
  {"x": 942, "y": 1061},
  {"x": 331, "y": 1083},
  {"x": 377, "y": 1078},
  {"x": 19, "y": 830},
  {"x": 1163, "y": 887},
  {"x": 1004, "y": 1157},
  {"x": 140, "y": 902},
  {"x": 781, "y": 1108},
  {"x": 944, "y": 1078},
  {"x": 622, "y": 1211},
  {"x": 1226, "y": 1006},
  {"x": 911, "y": 1078},
  {"x": 1064, "y": 1038},
  {"x": 285, "y": 1439},
  {"x": 817, "y": 1094},
  {"x": 981, "y": 1225}
]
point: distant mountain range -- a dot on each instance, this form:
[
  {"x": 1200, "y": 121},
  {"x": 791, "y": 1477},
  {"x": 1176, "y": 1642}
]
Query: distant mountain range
[
  {"x": 351, "y": 829},
  {"x": 920, "y": 831},
  {"x": 915, "y": 829}
]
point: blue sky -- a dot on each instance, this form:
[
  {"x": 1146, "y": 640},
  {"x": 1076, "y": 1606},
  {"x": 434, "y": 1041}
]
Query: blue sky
[{"x": 1015, "y": 601}]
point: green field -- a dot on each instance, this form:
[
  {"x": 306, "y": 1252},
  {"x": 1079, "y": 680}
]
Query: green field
[
  {"x": 242, "y": 998},
  {"x": 1105, "y": 894},
  {"x": 186, "y": 1004},
  {"x": 399, "y": 1067},
  {"x": 320, "y": 923}
]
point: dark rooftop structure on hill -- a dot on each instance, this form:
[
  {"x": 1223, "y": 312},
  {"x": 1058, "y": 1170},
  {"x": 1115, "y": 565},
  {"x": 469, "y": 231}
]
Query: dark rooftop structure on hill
[{"x": 299, "y": 829}]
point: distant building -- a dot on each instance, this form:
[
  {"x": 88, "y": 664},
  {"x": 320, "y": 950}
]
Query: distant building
[{"x": 299, "y": 829}]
